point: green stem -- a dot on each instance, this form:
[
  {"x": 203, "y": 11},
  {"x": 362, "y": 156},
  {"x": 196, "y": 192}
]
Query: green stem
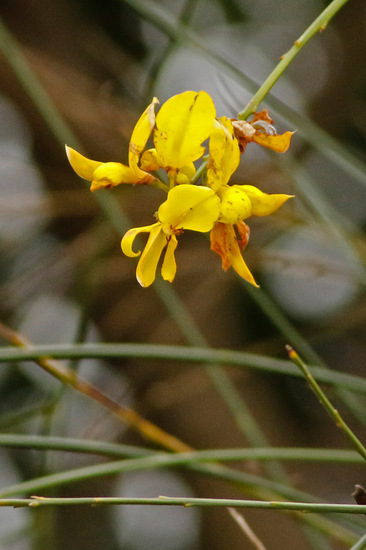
[
  {"x": 319, "y": 24},
  {"x": 201, "y": 170},
  {"x": 189, "y": 502},
  {"x": 114, "y": 450},
  {"x": 333, "y": 413},
  {"x": 192, "y": 354}
]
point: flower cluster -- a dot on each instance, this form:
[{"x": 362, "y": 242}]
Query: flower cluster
[{"x": 198, "y": 198}]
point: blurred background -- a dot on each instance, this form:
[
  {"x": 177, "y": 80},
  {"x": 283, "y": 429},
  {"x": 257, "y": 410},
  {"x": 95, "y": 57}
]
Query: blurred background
[{"x": 81, "y": 72}]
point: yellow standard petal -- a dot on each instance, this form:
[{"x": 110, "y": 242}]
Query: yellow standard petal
[
  {"x": 262, "y": 203},
  {"x": 183, "y": 123},
  {"x": 83, "y": 166},
  {"x": 224, "y": 154},
  {"x": 189, "y": 207}
]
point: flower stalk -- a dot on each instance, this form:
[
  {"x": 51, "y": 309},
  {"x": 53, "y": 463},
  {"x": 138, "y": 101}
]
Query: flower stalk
[{"x": 318, "y": 25}]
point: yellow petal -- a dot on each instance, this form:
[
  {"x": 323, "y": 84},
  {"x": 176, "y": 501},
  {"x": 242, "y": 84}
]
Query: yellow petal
[
  {"x": 110, "y": 174},
  {"x": 141, "y": 132},
  {"x": 169, "y": 267},
  {"x": 224, "y": 154},
  {"x": 183, "y": 123},
  {"x": 189, "y": 207},
  {"x": 235, "y": 204},
  {"x": 239, "y": 265},
  {"x": 131, "y": 234},
  {"x": 146, "y": 268},
  {"x": 262, "y": 203},
  {"x": 83, "y": 166},
  {"x": 224, "y": 243},
  {"x": 278, "y": 142}
]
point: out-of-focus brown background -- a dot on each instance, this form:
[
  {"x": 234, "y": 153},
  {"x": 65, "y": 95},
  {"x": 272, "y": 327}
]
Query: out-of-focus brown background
[{"x": 63, "y": 277}]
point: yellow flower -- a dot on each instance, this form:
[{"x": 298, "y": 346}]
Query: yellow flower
[
  {"x": 179, "y": 131},
  {"x": 186, "y": 207},
  {"x": 182, "y": 124},
  {"x": 230, "y": 234},
  {"x": 110, "y": 174}
]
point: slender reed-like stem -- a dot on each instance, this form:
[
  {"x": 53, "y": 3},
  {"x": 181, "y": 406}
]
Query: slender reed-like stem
[
  {"x": 189, "y": 354},
  {"x": 323, "y": 399},
  {"x": 318, "y": 507},
  {"x": 114, "y": 450},
  {"x": 319, "y": 24}
]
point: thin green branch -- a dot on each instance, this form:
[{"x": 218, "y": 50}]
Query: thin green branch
[
  {"x": 318, "y": 25},
  {"x": 324, "y": 401},
  {"x": 114, "y": 450},
  {"x": 37, "y": 501},
  {"x": 194, "y": 355}
]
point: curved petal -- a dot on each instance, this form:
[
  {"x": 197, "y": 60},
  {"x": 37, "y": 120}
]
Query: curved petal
[
  {"x": 183, "y": 123},
  {"x": 239, "y": 265},
  {"x": 224, "y": 154},
  {"x": 141, "y": 133},
  {"x": 189, "y": 207},
  {"x": 146, "y": 268},
  {"x": 235, "y": 205},
  {"x": 169, "y": 267},
  {"x": 83, "y": 166},
  {"x": 129, "y": 237},
  {"x": 262, "y": 203},
  {"x": 224, "y": 243},
  {"x": 278, "y": 142}
]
